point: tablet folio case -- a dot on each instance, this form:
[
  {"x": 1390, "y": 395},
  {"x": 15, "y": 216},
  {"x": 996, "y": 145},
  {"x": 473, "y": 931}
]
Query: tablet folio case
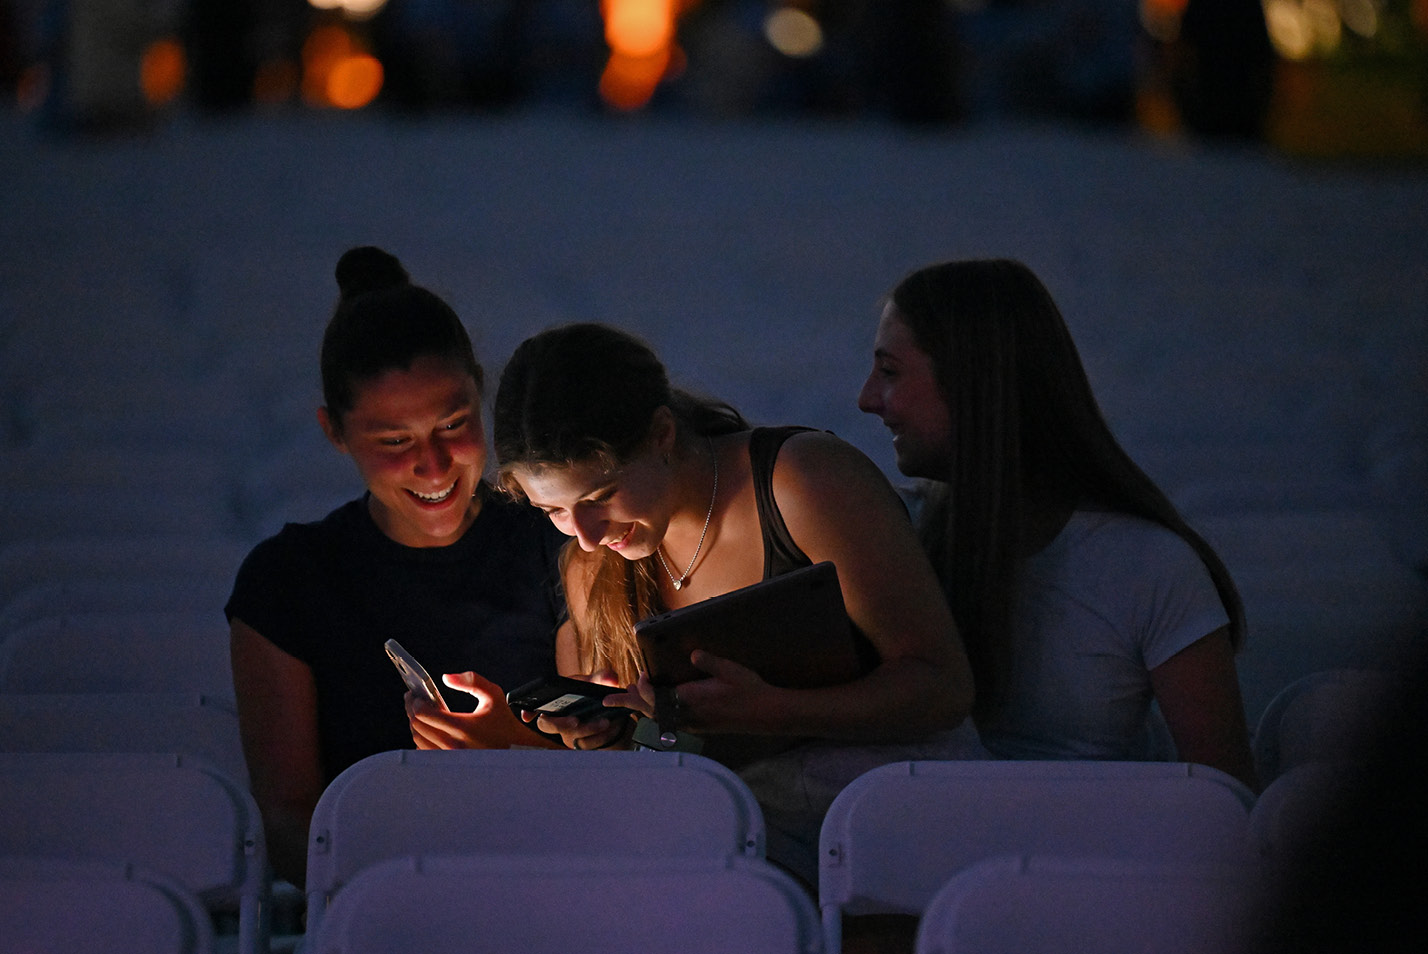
[{"x": 793, "y": 630}]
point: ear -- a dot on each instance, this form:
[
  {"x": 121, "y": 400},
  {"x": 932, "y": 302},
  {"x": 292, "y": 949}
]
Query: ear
[
  {"x": 664, "y": 431},
  {"x": 330, "y": 428}
]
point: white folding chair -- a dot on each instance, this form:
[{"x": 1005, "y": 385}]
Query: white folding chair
[
  {"x": 1292, "y": 818},
  {"x": 1331, "y": 715},
  {"x": 897, "y": 833},
  {"x": 169, "y": 813},
  {"x": 526, "y": 802},
  {"x": 119, "y": 652},
  {"x": 37, "y": 513},
  {"x": 558, "y": 904},
  {"x": 196, "y": 560},
  {"x": 59, "y": 906},
  {"x": 1035, "y": 905},
  {"x": 185, "y": 723}
]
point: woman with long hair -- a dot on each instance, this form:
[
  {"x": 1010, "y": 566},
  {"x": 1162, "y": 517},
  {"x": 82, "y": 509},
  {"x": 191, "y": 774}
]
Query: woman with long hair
[
  {"x": 671, "y": 500},
  {"x": 1080, "y": 592}
]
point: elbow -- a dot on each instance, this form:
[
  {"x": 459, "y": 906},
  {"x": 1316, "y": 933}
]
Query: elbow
[
  {"x": 943, "y": 699},
  {"x": 961, "y": 696}
]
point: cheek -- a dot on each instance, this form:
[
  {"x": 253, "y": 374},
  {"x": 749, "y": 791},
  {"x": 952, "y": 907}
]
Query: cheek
[
  {"x": 470, "y": 449},
  {"x": 376, "y": 468}
]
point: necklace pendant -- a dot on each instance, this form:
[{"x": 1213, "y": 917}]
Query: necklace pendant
[{"x": 679, "y": 584}]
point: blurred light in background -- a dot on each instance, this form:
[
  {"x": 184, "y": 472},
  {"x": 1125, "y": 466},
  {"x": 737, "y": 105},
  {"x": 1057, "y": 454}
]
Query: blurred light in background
[
  {"x": 355, "y": 9},
  {"x": 793, "y": 32},
  {"x": 161, "y": 71},
  {"x": 336, "y": 71},
  {"x": 1161, "y": 18},
  {"x": 640, "y": 34}
]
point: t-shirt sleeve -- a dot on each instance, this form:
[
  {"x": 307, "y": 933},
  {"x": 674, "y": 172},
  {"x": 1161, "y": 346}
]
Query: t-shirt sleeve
[
  {"x": 1181, "y": 604},
  {"x": 264, "y": 593}
]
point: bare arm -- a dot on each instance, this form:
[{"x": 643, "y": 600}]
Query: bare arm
[
  {"x": 277, "y": 717},
  {"x": 838, "y": 506},
  {"x": 1199, "y": 695}
]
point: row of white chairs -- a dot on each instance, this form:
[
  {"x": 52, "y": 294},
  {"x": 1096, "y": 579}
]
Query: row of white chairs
[{"x": 654, "y": 823}]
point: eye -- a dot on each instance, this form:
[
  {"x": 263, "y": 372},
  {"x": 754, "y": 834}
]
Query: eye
[
  {"x": 456, "y": 425},
  {"x": 392, "y": 441}
]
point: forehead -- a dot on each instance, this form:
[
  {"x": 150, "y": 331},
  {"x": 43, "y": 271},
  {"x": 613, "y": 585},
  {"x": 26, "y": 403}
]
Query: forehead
[
  {"x": 893, "y": 336},
  {"x": 430, "y": 385},
  {"x": 559, "y": 484}
]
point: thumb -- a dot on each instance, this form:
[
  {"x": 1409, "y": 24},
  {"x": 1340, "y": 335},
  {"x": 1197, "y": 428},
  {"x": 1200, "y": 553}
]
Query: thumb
[
  {"x": 474, "y": 684},
  {"x": 720, "y": 668}
]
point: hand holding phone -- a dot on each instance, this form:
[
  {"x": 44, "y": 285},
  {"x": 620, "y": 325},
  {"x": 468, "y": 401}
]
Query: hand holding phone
[
  {"x": 563, "y": 697},
  {"x": 414, "y": 674}
]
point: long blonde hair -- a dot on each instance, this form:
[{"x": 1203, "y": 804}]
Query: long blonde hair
[{"x": 588, "y": 392}]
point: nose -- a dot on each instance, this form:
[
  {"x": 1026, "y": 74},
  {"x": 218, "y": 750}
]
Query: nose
[
  {"x": 435, "y": 458},
  {"x": 869, "y": 401},
  {"x": 589, "y": 530}
]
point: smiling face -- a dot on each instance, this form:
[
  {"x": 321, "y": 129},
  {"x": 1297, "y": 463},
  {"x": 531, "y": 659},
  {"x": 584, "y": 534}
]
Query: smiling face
[
  {"x": 415, "y": 435},
  {"x": 902, "y": 390},
  {"x": 625, "y": 508}
]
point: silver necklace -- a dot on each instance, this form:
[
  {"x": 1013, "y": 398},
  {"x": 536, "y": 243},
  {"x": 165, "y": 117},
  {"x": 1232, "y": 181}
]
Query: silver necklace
[{"x": 659, "y": 551}]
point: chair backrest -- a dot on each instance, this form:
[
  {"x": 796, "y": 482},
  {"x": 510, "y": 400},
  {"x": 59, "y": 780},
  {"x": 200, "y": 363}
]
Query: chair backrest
[
  {"x": 1294, "y": 814},
  {"x": 897, "y": 833},
  {"x": 193, "y": 557},
  {"x": 29, "y": 512},
  {"x": 169, "y": 813},
  {"x": 526, "y": 802},
  {"x": 186, "y": 723},
  {"x": 1331, "y": 715},
  {"x": 556, "y": 905},
  {"x": 169, "y": 593},
  {"x": 1032, "y": 905},
  {"x": 59, "y": 906},
  {"x": 119, "y": 652}
]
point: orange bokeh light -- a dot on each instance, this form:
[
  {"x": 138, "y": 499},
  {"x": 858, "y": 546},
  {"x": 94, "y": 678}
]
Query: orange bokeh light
[
  {"x": 355, "y": 81},
  {"x": 629, "y": 82},
  {"x": 337, "y": 72},
  {"x": 639, "y": 28},
  {"x": 161, "y": 71}
]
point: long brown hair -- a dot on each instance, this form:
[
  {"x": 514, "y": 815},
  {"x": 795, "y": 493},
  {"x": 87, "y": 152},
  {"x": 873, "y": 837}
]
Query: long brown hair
[
  {"x": 589, "y": 392},
  {"x": 1025, "y": 428}
]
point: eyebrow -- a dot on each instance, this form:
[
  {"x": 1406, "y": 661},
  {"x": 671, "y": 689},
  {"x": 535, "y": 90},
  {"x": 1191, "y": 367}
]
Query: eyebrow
[
  {"x": 378, "y": 427},
  {"x": 592, "y": 492}
]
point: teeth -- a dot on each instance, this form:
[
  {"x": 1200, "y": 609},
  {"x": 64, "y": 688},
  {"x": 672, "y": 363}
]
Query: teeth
[{"x": 434, "y": 498}]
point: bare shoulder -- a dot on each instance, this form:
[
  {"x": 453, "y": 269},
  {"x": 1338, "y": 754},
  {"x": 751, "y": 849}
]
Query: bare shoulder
[{"x": 821, "y": 469}]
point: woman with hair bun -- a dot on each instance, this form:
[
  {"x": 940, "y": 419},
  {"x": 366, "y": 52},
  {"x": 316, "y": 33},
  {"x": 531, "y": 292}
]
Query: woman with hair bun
[{"x": 463, "y": 578}]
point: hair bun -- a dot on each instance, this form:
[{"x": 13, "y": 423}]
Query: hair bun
[{"x": 368, "y": 269}]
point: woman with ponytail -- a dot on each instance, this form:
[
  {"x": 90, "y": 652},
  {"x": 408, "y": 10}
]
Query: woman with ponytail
[
  {"x": 671, "y": 500},
  {"x": 462, "y": 577}
]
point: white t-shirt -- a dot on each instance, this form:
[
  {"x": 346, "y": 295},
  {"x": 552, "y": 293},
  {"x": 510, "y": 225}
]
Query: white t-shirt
[{"x": 1112, "y": 597}]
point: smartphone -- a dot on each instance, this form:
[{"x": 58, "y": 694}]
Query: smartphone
[
  {"x": 563, "y": 696},
  {"x": 414, "y": 674}
]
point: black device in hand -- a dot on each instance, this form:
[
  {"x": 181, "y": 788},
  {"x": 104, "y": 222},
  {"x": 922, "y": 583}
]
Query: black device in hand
[{"x": 562, "y": 696}]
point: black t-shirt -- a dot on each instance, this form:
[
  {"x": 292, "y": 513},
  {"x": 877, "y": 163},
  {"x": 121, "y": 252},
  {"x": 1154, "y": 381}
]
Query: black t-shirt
[{"x": 331, "y": 593}]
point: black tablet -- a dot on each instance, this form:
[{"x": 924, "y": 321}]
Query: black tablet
[{"x": 793, "y": 630}]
